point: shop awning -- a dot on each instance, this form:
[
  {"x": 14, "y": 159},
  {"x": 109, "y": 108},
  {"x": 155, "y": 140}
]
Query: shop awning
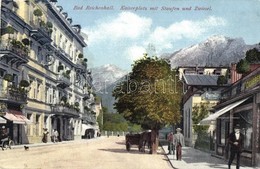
[
  {"x": 2, "y": 120},
  {"x": 16, "y": 117},
  {"x": 208, "y": 120}
]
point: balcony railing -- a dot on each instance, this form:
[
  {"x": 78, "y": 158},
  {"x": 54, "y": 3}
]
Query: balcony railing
[
  {"x": 41, "y": 33},
  {"x": 63, "y": 81},
  {"x": 61, "y": 109},
  {"x": 13, "y": 95},
  {"x": 89, "y": 118},
  {"x": 15, "y": 50}
]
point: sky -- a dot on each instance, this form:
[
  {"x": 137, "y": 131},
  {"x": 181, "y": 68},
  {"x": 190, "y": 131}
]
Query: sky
[{"x": 121, "y": 31}]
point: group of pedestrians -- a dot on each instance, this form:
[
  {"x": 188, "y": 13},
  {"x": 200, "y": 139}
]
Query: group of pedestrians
[
  {"x": 54, "y": 135},
  {"x": 176, "y": 141},
  {"x": 235, "y": 143}
]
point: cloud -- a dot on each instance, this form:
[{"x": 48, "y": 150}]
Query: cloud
[
  {"x": 126, "y": 37},
  {"x": 134, "y": 52},
  {"x": 164, "y": 37},
  {"x": 126, "y": 25}
]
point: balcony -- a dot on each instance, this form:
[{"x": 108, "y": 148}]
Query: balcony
[
  {"x": 13, "y": 53},
  {"x": 14, "y": 96},
  {"x": 63, "y": 81},
  {"x": 88, "y": 118},
  {"x": 63, "y": 110},
  {"x": 81, "y": 66},
  {"x": 86, "y": 96},
  {"x": 41, "y": 33}
]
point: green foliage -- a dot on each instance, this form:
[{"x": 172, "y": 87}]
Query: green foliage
[
  {"x": 222, "y": 80},
  {"x": 199, "y": 112},
  {"x": 9, "y": 30},
  {"x": 80, "y": 55},
  {"x": 64, "y": 99},
  {"x": 243, "y": 66},
  {"x": 76, "y": 104},
  {"x": 49, "y": 24},
  {"x": 26, "y": 41},
  {"x": 134, "y": 128},
  {"x": 253, "y": 56},
  {"x": 37, "y": 12},
  {"x": 8, "y": 77},
  {"x": 60, "y": 67},
  {"x": 114, "y": 122},
  {"x": 24, "y": 83},
  {"x": 151, "y": 95}
]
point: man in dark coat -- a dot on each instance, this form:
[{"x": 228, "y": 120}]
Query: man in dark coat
[{"x": 236, "y": 142}]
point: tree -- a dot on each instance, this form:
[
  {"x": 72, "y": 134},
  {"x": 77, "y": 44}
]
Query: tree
[
  {"x": 199, "y": 112},
  {"x": 114, "y": 122},
  {"x": 243, "y": 66},
  {"x": 223, "y": 79},
  {"x": 253, "y": 56},
  {"x": 150, "y": 96}
]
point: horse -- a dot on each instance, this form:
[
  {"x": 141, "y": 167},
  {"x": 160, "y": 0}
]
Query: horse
[{"x": 145, "y": 140}]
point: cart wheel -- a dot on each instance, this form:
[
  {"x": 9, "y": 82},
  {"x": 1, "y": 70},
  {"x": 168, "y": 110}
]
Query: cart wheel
[
  {"x": 4, "y": 145},
  {"x": 11, "y": 144},
  {"x": 128, "y": 146}
]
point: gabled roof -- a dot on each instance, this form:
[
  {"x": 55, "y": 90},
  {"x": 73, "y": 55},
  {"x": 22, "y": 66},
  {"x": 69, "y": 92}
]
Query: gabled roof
[{"x": 200, "y": 80}]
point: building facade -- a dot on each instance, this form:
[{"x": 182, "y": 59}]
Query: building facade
[
  {"x": 240, "y": 105},
  {"x": 200, "y": 89},
  {"x": 41, "y": 46}
]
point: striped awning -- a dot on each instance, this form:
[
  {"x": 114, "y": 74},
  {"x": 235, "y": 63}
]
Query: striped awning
[{"x": 16, "y": 117}]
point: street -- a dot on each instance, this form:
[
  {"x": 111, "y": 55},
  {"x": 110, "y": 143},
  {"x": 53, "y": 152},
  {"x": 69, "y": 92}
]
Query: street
[{"x": 100, "y": 153}]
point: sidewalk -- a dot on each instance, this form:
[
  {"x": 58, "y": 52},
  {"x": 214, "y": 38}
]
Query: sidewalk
[{"x": 196, "y": 159}]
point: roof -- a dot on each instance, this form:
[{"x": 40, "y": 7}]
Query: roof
[{"x": 200, "y": 80}]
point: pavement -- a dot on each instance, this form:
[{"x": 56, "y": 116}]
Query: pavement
[{"x": 196, "y": 159}]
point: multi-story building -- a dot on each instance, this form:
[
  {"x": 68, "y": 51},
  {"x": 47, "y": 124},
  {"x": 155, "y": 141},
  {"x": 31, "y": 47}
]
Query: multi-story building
[
  {"x": 45, "y": 82},
  {"x": 200, "y": 88},
  {"x": 240, "y": 105}
]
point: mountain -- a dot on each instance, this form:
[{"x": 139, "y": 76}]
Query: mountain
[
  {"x": 104, "y": 80},
  {"x": 105, "y": 75},
  {"x": 215, "y": 51}
]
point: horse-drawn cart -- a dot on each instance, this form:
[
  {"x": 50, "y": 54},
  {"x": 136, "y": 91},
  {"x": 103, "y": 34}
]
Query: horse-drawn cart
[
  {"x": 132, "y": 139},
  {"x": 141, "y": 140}
]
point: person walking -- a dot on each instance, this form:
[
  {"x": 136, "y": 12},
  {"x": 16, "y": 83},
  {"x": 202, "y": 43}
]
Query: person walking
[
  {"x": 56, "y": 135},
  {"x": 236, "y": 142},
  {"x": 45, "y": 135},
  {"x": 170, "y": 143},
  {"x": 179, "y": 142}
]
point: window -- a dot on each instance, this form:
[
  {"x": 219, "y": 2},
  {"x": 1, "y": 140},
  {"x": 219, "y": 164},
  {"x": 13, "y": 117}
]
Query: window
[
  {"x": 38, "y": 94},
  {"x": 39, "y": 50},
  {"x": 245, "y": 119},
  {"x": 60, "y": 41},
  {"x": 223, "y": 129},
  {"x": 37, "y": 118},
  {"x": 2, "y": 72},
  {"x": 15, "y": 79},
  {"x": 54, "y": 36}
]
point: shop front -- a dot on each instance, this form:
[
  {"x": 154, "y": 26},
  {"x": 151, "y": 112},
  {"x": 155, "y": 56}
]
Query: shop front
[
  {"x": 241, "y": 106},
  {"x": 16, "y": 124}
]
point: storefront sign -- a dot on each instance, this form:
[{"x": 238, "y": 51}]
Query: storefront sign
[{"x": 252, "y": 82}]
